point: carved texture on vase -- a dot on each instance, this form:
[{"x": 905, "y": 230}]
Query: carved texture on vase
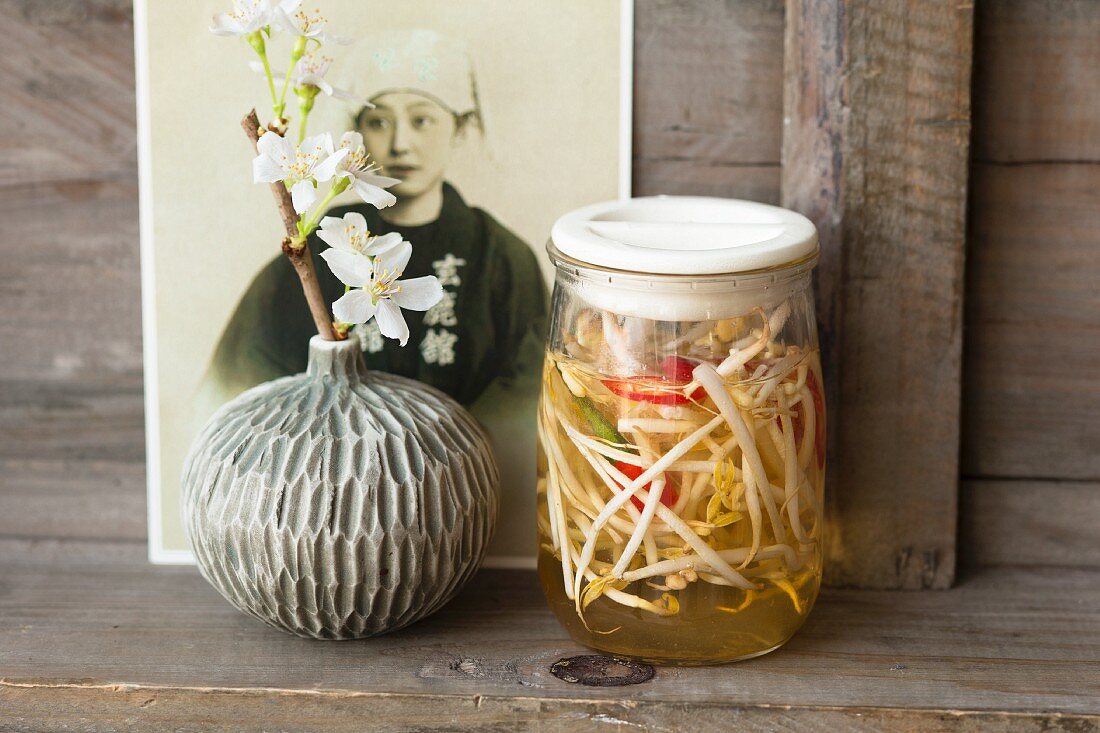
[{"x": 340, "y": 503}]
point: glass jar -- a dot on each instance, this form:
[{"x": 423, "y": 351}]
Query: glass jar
[{"x": 681, "y": 429}]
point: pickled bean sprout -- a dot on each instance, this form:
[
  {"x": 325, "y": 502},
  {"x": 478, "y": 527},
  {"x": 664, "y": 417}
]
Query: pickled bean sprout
[{"x": 694, "y": 470}]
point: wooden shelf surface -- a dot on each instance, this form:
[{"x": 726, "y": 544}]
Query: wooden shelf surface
[{"x": 92, "y": 637}]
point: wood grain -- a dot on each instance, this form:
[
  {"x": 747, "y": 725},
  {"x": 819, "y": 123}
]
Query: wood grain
[
  {"x": 71, "y": 427},
  {"x": 708, "y": 99},
  {"x": 1033, "y": 308},
  {"x": 875, "y": 152},
  {"x": 1033, "y": 343},
  {"x": 1004, "y": 641},
  {"x": 76, "y": 707},
  {"x": 71, "y": 289},
  {"x": 79, "y": 498},
  {"x": 1035, "y": 523},
  {"x": 72, "y": 458},
  {"x": 1036, "y": 90},
  {"x": 67, "y": 80}
]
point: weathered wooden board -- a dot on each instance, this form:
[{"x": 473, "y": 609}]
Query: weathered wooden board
[
  {"x": 1033, "y": 306},
  {"x": 68, "y": 194},
  {"x": 72, "y": 458},
  {"x": 95, "y": 615},
  {"x": 1037, "y": 523},
  {"x": 71, "y": 286},
  {"x": 708, "y": 101},
  {"x": 76, "y": 422},
  {"x": 38, "y": 707},
  {"x": 1033, "y": 344},
  {"x": 72, "y": 497},
  {"x": 67, "y": 80},
  {"x": 875, "y": 152},
  {"x": 1036, "y": 90}
]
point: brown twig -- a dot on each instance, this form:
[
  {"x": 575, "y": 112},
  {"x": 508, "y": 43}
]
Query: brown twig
[
  {"x": 302, "y": 262},
  {"x": 298, "y": 253}
]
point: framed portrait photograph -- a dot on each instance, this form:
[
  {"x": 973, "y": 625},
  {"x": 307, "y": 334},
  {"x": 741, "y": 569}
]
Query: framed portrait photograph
[{"x": 495, "y": 116}]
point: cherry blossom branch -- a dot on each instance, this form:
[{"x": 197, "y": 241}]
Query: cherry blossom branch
[
  {"x": 298, "y": 254},
  {"x": 371, "y": 276},
  {"x": 251, "y": 125}
]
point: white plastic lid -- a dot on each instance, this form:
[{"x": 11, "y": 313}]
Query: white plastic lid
[{"x": 684, "y": 235}]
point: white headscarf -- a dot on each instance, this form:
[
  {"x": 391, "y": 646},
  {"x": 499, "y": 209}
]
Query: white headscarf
[{"x": 420, "y": 61}]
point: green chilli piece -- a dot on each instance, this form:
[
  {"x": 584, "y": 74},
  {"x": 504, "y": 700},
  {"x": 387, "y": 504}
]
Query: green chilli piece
[{"x": 600, "y": 425}]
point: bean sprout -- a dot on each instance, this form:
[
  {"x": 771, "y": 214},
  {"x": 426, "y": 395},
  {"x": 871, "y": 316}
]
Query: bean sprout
[{"x": 683, "y": 475}]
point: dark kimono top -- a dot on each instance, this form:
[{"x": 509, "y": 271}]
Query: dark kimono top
[{"x": 488, "y": 326}]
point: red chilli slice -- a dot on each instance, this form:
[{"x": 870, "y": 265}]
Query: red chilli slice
[
  {"x": 651, "y": 389},
  {"x": 659, "y": 389},
  {"x": 669, "y": 494},
  {"x": 819, "y": 418}
]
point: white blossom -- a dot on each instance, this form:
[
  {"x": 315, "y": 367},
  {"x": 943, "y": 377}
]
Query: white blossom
[
  {"x": 299, "y": 166},
  {"x": 363, "y": 172},
  {"x": 378, "y": 292},
  {"x": 351, "y": 234},
  {"x": 310, "y": 72},
  {"x": 290, "y": 17},
  {"x": 247, "y": 16}
]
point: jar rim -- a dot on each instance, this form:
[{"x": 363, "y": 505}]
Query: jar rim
[
  {"x": 766, "y": 275},
  {"x": 695, "y": 236}
]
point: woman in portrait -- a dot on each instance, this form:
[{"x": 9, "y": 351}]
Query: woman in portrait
[{"x": 485, "y": 337}]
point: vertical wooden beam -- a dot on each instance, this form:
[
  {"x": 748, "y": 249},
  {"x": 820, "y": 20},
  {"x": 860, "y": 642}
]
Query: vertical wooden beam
[{"x": 875, "y": 148}]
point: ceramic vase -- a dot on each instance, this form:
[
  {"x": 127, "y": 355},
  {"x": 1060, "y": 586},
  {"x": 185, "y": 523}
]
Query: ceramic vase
[{"x": 340, "y": 503}]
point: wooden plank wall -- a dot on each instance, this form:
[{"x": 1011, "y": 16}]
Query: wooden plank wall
[
  {"x": 71, "y": 441},
  {"x": 708, "y": 104},
  {"x": 71, "y": 424},
  {"x": 875, "y": 152},
  {"x": 1031, "y": 429}
]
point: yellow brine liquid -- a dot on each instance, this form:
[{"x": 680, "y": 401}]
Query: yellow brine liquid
[
  {"x": 679, "y": 510},
  {"x": 714, "y": 624}
]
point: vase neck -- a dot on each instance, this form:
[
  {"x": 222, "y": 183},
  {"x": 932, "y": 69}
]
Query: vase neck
[{"x": 341, "y": 360}]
